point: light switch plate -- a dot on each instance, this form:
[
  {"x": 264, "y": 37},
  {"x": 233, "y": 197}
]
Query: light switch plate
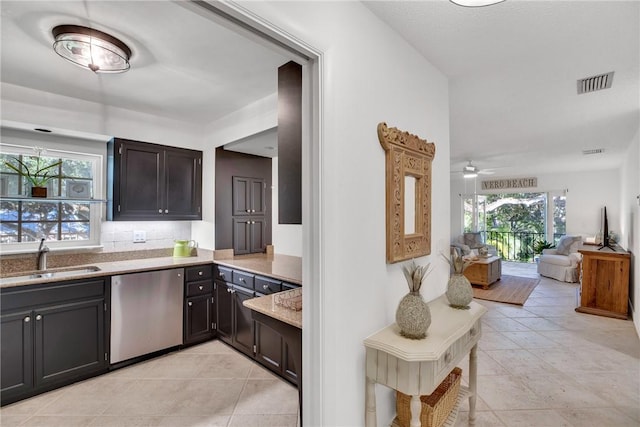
[{"x": 139, "y": 236}]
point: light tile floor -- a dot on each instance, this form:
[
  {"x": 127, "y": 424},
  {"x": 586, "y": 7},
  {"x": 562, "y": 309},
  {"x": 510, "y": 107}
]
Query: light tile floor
[
  {"x": 206, "y": 385},
  {"x": 543, "y": 364},
  {"x": 539, "y": 365}
]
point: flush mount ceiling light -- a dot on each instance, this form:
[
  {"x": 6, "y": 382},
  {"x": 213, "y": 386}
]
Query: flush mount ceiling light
[
  {"x": 92, "y": 49},
  {"x": 475, "y": 3}
]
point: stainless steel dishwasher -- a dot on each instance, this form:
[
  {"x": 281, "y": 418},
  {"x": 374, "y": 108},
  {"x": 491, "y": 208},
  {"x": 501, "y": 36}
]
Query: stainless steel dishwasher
[{"x": 146, "y": 313}]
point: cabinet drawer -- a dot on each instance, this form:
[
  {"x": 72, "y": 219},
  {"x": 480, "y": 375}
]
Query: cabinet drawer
[
  {"x": 267, "y": 285},
  {"x": 223, "y": 273},
  {"x": 459, "y": 349},
  {"x": 243, "y": 279},
  {"x": 200, "y": 272},
  {"x": 199, "y": 288},
  {"x": 46, "y": 294}
]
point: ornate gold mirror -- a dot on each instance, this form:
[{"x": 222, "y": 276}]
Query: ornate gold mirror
[{"x": 408, "y": 186}]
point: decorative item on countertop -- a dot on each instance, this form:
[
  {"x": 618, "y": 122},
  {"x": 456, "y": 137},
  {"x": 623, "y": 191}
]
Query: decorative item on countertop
[
  {"x": 459, "y": 291},
  {"x": 413, "y": 315},
  {"x": 34, "y": 172}
]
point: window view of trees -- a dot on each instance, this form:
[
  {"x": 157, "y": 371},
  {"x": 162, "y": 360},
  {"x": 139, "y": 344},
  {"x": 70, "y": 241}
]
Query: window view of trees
[
  {"x": 26, "y": 219},
  {"x": 515, "y": 223}
]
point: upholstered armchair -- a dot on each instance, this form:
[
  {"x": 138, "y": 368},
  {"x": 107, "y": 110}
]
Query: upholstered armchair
[
  {"x": 470, "y": 243},
  {"x": 563, "y": 262}
]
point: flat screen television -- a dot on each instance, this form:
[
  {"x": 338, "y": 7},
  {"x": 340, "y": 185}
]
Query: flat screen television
[{"x": 605, "y": 231}]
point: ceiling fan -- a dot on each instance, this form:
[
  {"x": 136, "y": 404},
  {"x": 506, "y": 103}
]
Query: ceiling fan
[{"x": 471, "y": 171}]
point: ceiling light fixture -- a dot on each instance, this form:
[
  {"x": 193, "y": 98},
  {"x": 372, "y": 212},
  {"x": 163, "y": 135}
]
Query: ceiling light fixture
[
  {"x": 92, "y": 49},
  {"x": 475, "y": 3},
  {"x": 469, "y": 171}
]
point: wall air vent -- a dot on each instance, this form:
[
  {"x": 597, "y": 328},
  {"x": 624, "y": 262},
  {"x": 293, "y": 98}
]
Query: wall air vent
[
  {"x": 593, "y": 151},
  {"x": 592, "y": 84}
]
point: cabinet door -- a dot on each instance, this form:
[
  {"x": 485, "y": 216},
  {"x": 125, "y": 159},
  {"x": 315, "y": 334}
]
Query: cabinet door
[
  {"x": 138, "y": 181},
  {"x": 241, "y": 236},
  {"x": 69, "y": 341},
  {"x": 256, "y": 235},
  {"x": 258, "y": 203},
  {"x": 16, "y": 333},
  {"x": 248, "y": 235},
  {"x": 224, "y": 308},
  {"x": 248, "y": 196},
  {"x": 290, "y": 372},
  {"x": 243, "y": 331},
  {"x": 183, "y": 184},
  {"x": 269, "y": 347},
  {"x": 198, "y": 318}
]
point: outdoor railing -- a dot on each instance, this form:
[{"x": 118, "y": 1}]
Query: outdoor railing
[{"x": 516, "y": 245}]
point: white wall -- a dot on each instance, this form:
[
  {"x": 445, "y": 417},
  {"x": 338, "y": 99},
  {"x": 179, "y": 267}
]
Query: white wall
[
  {"x": 587, "y": 193},
  {"x": 630, "y": 219},
  {"x": 370, "y": 75},
  {"x": 45, "y": 109},
  {"x": 254, "y": 118},
  {"x": 286, "y": 238}
]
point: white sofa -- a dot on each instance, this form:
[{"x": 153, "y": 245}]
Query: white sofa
[{"x": 563, "y": 263}]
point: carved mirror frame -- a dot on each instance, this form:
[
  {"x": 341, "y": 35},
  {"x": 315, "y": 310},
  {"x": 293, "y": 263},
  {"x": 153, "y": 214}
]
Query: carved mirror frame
[{"x": 407, "y": 155}]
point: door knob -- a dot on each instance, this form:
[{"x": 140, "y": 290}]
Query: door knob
[
  {"x": 39, "y": 317},
  {"x": 189, "y": 303},
  {"x": 201, "y": 287},
  {"x": 27, "y": 319}
]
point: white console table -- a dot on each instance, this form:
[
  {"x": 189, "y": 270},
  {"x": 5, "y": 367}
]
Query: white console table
[{"x": 417, "y": 367}]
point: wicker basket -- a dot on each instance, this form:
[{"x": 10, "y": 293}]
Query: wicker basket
[{"x": 435, "y": 406}]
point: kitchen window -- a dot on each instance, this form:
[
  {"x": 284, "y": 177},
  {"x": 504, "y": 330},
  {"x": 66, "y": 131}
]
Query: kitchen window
[{"x": 68, "y": 216}]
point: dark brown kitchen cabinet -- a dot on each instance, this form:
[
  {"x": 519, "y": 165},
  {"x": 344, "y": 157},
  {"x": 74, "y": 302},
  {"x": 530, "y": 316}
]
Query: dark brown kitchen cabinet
[
  {"x": 235, "y": 325},
  {"x": 248, "y": 196},
  {"x": 52, "y": 335},
  {"x": 151, "y": 182},
  {"x": 248, "y": 235},
  {"x": 272, "y": 349},
  {"x": 199, "y": 305}
]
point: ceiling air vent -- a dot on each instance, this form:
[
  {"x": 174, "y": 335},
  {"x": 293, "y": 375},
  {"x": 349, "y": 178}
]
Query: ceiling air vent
[
  {"x": 592, "y": 84},
  {"x": 593, "y": 151}
]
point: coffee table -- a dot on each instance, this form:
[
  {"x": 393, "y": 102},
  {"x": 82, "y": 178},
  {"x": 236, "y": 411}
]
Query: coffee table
[{"x": 484, "y": 271}]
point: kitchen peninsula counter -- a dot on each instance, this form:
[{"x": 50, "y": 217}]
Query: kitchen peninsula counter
[
  {"x": 267, "y": 306},
  {"x": 283, "y": 267}
]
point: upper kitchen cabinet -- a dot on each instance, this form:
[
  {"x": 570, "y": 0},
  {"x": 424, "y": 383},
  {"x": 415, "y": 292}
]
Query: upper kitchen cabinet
[{"x": 151, "y": 182}]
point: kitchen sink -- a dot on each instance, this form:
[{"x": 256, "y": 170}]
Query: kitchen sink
[{"x": 59, "y": 272}]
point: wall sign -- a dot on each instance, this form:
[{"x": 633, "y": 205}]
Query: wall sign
[{"x": 501, "y": 184}]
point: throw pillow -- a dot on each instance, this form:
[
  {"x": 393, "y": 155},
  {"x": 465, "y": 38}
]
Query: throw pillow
[
  {"x": 473, "y": 240},
  {"x": 463, "y": 248},
  {"x": 565, "y": 244}
]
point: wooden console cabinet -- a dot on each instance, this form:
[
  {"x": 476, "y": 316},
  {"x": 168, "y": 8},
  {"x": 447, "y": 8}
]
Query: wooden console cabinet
[
  {"x": 484, "y": 271},
  {"x": 605, "y": 282}
]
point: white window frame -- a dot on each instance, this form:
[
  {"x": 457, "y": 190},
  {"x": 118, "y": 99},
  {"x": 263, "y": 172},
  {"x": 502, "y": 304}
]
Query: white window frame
[{"x": 96, "y": 208}]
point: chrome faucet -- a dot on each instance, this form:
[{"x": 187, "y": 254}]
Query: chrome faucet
[{"x": 43, "y": 250}]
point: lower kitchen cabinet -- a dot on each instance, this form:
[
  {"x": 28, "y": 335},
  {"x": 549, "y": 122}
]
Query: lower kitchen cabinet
[
  {"x": 51, "y": 335},
  {"x": 274, "y": 342},
  {"x": 199, "y": 305},
  {"x": 270, "y": 342},
  {"x": 234, "y": 323}
]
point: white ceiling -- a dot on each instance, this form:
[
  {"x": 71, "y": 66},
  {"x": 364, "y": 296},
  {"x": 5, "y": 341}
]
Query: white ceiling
[
  {"x": 512, "y": 68},
  {"x": 183, "y": 65}
]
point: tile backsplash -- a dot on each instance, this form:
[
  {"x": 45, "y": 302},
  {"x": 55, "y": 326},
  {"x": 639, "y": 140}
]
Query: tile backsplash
[{"x": 117, "y": 236}]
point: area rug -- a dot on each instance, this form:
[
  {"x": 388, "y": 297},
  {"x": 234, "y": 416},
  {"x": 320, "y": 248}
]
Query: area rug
[{"x": 509, "y": 289}]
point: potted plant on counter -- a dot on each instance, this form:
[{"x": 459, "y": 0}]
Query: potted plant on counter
[{"x": 36, "y": 171}]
